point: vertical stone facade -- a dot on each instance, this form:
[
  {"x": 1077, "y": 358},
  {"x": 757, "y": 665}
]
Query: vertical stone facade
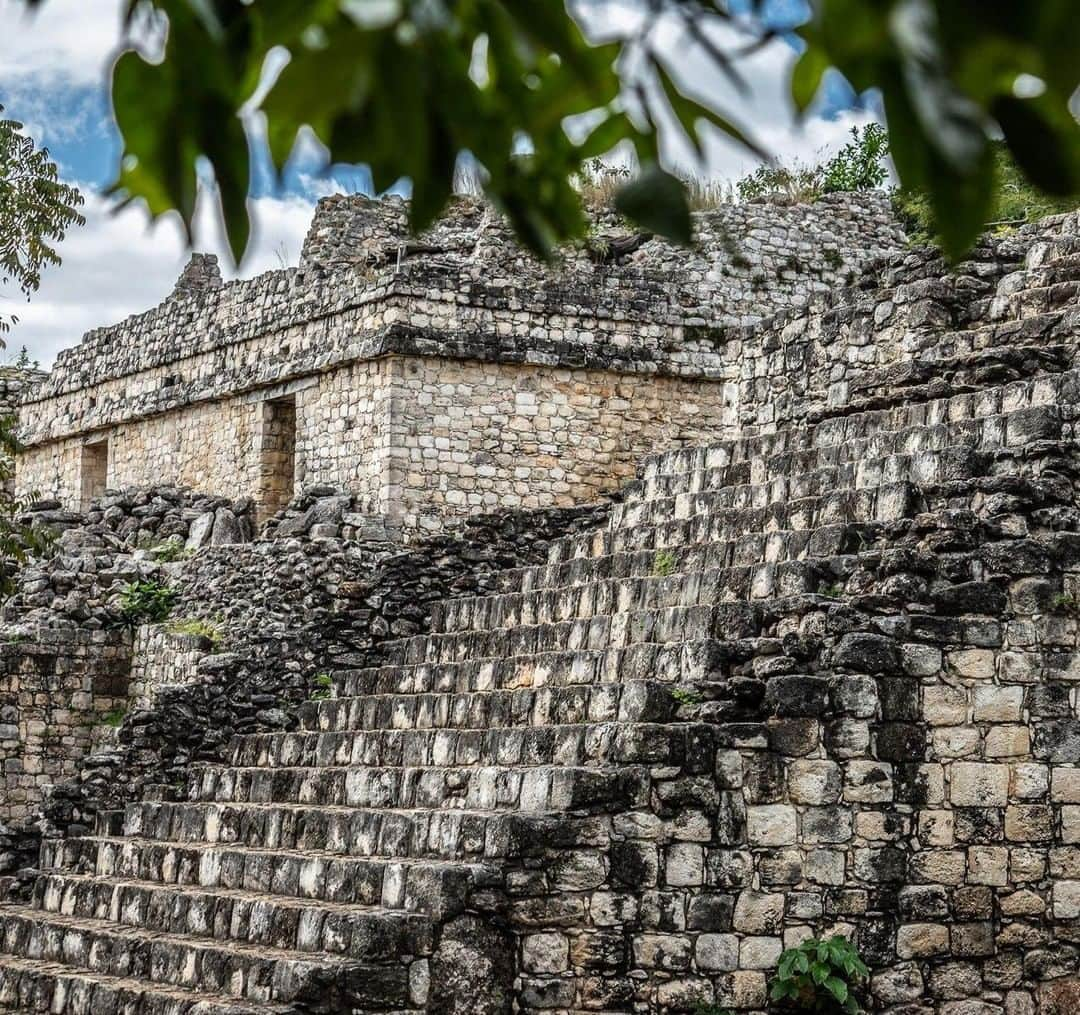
[{"x": 56, "y": 685}]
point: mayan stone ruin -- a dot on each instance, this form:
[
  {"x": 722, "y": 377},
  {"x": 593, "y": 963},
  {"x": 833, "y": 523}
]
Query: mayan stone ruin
[{"x": 425, "y": 630}]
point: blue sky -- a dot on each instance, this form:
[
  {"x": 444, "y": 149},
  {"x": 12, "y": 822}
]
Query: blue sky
[{"x": 52, "y": 77}]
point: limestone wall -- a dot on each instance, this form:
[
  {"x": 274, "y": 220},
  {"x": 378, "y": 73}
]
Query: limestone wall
[
  {"x": 414, "y": 437},
  {"x": 469, "y": 437},
  {"x": 56, "y": 684}
]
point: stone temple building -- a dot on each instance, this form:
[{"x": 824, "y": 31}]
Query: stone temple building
[
  {"x": 438, "y": 377},
  {"x": 812, "y": 669}
]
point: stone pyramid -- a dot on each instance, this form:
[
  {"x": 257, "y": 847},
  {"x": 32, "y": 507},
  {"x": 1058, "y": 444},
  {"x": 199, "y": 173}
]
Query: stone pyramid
[{"x": 820, "y": 677}]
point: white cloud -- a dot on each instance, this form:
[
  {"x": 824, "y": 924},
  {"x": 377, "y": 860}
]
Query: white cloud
[
  {"x": 119, "y": 264},
  {"x": 68, "y": 40}
]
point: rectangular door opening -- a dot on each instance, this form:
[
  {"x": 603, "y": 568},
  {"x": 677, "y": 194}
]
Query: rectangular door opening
[
  {"x": 95, "y": 472},
  {"x": 277, "y": 466}
]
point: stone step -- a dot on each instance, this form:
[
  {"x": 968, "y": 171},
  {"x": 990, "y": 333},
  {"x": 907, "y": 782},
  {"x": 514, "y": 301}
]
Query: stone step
[
  {"x": 578, "y": 745},
  {"x": 420, "y": 833},
  {"x": 604, "y": 698},
  {"x": 774, "y": 546},
  {"x": 230, "y": 914},
  {"x": 433, "y": 887},
  {"x": 484, "y": 787},
  {"x": 36, "y": 986},
  {"x": 992, "y": 420},
  {"x": 828, "y": 494},
  {"x": 617, "y": 598},
  {"x": 599, "y": 621},
  {"x": 861, "y": 464},
  {"x": 1030, "y": 301},
  {"x": 644, "y": 661},
  {"x": 1051, "y": 250},
  {"x": 252, "y": 972},
  {"x": 741, "y": 526}
]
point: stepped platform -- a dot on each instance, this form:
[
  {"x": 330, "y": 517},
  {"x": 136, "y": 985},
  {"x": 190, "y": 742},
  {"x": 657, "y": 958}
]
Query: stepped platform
[{"x": 818, "y": 678}]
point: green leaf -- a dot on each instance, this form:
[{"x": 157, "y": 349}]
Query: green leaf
[
  {"x": 1044, "y": 140},
  {"x": 605, "y": 136},
  {"x": 656, "y": 200},
  {"x": 835, "y": 986},
  {"x": 806, "y": 77},
  {"x": 819, "y": 972},
  {"x": 690, "y": 113}
]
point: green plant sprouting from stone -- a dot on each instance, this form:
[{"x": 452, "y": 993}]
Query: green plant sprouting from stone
[
  {"x": 664, "y": 563},
  {"x": 171, "y": 551},
  {"x": 323, "y": 683},
  {"x": 199, "y": 627},
  {"x": 114, "y": 717},
  {"x": 686, "y": 696},
  {"x": 146, "y": 601},
  {"x": 1065, "y": 602},
  {"x": 820, "y": 975}
]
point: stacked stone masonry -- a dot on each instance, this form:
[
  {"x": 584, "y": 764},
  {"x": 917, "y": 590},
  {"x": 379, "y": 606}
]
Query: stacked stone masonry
[
  {"x": 820, "y": 676},
  {"x": 410, "y": 372}
]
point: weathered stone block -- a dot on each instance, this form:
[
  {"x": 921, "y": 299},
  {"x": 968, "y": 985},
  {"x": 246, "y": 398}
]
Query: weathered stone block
[{"x": 978, "y": 785}]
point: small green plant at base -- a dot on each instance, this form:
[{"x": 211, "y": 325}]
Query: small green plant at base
[
  {"x": 147, "y": 600},
  {"x": 820, "y": 975},
  {"x": 685, "y": 696},
  {"x": 711, "y": 1009},
  {"x": 833, "y": 591},
  {"x": 323, "y": 683},
  {"x": 1063, "y": 602},
  {"x": 114, "y": 717},
  {"x": 171, "y": 551},
  {"x": 664, "y": 563},
  {"x": 198, "y": 627}
]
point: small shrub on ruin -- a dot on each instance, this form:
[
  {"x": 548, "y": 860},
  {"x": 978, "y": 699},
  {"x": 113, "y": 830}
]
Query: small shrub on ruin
[
  {"x": 663, "y": 563},
  {"x": 146, "y": 601},
  {"x": 1063, "y": 602},
  {"x": 861, "y": 164},
  {"x": 170, "y": 551},
  {"x": 198, "y": 627},
  {"x": 1016, "y": 201},
  {"x": 323, "y": 683},
  {"x": 114, "y": 717},
  {"x": 820, "y": 975},
  {"x": 686, "y": 696}
]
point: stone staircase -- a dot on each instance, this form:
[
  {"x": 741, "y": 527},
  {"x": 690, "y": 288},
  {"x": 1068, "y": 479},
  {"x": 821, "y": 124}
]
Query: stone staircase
[{"x": 624, "y": 783}]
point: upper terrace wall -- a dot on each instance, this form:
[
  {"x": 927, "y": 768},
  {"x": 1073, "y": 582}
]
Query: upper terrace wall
[
  {"x": 752, "y": 261},
  {"x": 176, "y": 389}
]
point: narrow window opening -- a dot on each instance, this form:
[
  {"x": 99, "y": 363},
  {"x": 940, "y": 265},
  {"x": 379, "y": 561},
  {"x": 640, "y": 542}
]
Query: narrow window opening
[{"x": 278, "y": 457}]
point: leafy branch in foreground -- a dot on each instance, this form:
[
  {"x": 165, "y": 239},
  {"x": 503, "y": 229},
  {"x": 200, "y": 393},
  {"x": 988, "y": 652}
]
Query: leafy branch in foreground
[
  {"x": 410, "y": 87},
  {"x": 36, "y": 210}
]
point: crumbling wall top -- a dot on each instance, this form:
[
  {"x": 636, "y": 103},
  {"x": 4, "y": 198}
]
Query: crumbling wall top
[{"x": 749, "y": 261}]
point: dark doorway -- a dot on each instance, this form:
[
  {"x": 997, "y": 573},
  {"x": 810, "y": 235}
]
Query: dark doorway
[
  {"x": 277, "y": 463},
  {"x": 94, "y": 472}
]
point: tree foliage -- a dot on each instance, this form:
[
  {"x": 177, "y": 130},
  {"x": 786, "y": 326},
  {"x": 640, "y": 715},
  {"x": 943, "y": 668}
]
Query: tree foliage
[
  {"x": 820, "y": 975},
  {"x": 859, "y": 165},
  {"x": 18, "y": 541},
  {"x": 407, "y": 86},
  {"x": 36, "y": 210},
  {"x": 1016, "y": 201}
]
